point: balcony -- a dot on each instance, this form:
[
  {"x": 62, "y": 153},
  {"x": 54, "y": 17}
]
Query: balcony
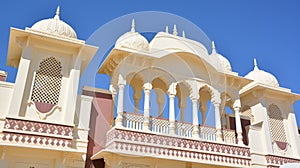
[
  {"x": 158, "y": 142},
  {"x": 160, "y": 126}
]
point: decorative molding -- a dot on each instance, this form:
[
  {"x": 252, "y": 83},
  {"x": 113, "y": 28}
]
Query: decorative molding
[
  {"x": 37, "y": 128},
  {"x": 43, "y": 115},
  {"x": 35, "y": 140},
  {"x": 276, "y": 161},
  {"x": 147, "y": 144}
]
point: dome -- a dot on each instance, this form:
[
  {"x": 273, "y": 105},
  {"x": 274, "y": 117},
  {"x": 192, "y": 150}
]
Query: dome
[
  {"x": 133, "y": 40},
  {"x": 55, "y": 26},
  {"x": 262, "y": 76},
  {"x": 225, "y": 64}
]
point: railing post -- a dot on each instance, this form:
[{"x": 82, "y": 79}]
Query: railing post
[
  {"x": 147, "y": 88},
  {"x": 237, "y": 107}
]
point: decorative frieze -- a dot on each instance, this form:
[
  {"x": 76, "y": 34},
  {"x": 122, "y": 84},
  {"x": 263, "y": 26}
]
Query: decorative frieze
[
  {"x": 35, "y": 140},
  {"x": 37, "y": 128},
  {"x": 276, "y": 161},
  {"x": 148, "y": 144}
]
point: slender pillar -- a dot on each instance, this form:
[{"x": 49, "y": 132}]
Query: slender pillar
[
  {"x": 238, "y": 125},
  {"x": 172, "y": 93},
  {"x": 120, "y": 107},
  {"x": 113, "y": 91},
  {"x": 218, "y": 121},
  {"x": 147, "y": 89},
  {"x": 195, "y": 118}
]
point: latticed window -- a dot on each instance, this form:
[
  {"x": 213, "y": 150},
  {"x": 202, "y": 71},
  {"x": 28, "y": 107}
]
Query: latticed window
[
  {"x": 47, "y": 82},
  {"x": 276, "y": 124}
]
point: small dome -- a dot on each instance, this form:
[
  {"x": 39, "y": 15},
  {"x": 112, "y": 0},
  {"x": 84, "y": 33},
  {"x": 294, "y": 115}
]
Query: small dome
[
  {"x": 55, "y": 26},
  {"x": 262, "y": 76},
  {"x": 225, "y": 64},
  {"x": 133, "y": 40}
]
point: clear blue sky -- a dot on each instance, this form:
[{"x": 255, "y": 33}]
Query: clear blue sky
[{"x": 267, "y": 30}]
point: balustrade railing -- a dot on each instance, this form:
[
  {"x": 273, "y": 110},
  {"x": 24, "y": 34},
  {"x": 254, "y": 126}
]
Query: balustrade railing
[
  {"x": 158, "y": 125},
  {"x": 184, "y": 129},
  {"x": 229, "y": 136},
  {"x": 208, "y": 133},
  {"x": 133, "y": 121}
]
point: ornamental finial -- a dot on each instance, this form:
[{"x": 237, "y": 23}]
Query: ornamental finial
[
  {"x": 213, "y": 46},
  {"x": 255, "y": 64},
  {"x": 132, "y": 25},
  {"x": 167, "y": 29},
  {"x": 183, "y": 34},
  {"x": 175, "y": 30},
  {"x": 57, "y": 13}
]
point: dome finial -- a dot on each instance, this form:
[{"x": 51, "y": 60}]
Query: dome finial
[
  {"x": 167, "y": 29},
  {"x": 213, "y": 46},
  {"x": 132, "y": 25},
  {"x": 255, "y": 64},
  {"x": 57, "y": 13},
  {"x": 183, "y": 34},
  {"x": 175, "y": 30}
]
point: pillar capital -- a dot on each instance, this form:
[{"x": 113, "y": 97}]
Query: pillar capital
[
  {"x": 237, "y": 104},
  {"x": 121, "y": 81},
  {"x": 172, "y": 89},
  {"x": 147, "y": 86},
  {"x": 112, "y": 89}
]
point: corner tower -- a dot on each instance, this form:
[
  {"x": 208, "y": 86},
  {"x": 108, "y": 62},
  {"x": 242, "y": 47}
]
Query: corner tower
[
  {"x": 43, "y": 110},
  {"x": 50, "y": 60}
]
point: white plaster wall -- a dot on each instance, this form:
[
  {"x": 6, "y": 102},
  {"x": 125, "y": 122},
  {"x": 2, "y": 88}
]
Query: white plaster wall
[
  {"x": 58, "y": 116},
  {"x": 28, "y": 157},
  {"x": 6, "y": 90}
]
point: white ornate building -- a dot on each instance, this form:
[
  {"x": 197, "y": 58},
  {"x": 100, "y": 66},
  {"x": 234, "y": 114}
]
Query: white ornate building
[{"x": 45, "y": 123}]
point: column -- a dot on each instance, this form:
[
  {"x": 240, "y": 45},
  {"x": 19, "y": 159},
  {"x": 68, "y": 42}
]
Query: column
[
  {"x": 172, "y": 93},
  {"x": 195, "y": 118},
  {"x": 218, "y": 121},
  {"x": 113, "y": 91},
  {"x": 147, "y": 89},
  {"x": 120, "y": 106},
  {"x": 238, "y": 125}
]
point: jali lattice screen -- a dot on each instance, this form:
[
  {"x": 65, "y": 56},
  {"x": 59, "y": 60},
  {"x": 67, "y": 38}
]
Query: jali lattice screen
[{"x": 47, "y": 82}]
